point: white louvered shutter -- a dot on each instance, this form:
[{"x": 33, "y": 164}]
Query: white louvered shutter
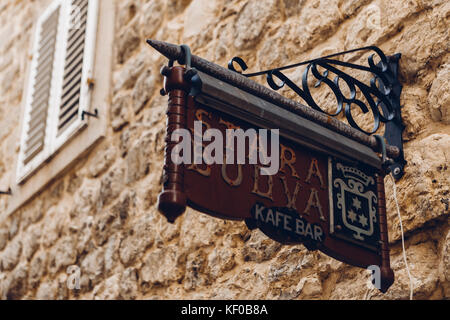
[
  {"x": 58, "y": 90},
  {"x": 35, "y": 145},
  {"x": 78, "y": 52}
]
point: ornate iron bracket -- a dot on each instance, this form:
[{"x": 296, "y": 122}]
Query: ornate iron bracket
[{"x": 382, "y": 94}]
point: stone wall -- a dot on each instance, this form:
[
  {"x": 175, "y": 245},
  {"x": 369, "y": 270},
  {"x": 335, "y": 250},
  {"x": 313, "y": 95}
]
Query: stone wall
[{"x": 101, "y": 215}]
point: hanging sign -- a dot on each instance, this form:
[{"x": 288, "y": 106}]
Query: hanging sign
[
  {"x": 233, "y": 155},
  {"x": 313, "y": 199}
]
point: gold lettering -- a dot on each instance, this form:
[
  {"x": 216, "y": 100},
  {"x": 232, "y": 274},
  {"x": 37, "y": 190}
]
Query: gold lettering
[
  {"x": 291, "y": 200},
  {"x": 199, "y": 115},
  {"x": 236, "y": 182},
  {"x": 314, "y": 171},
  {"x": 196, "y": 167},
  {"x": 230, "y": 142},
  {"x": 256, "y": 190},
  {"x": 229, "y": 125},
  {"x": 290, "y": 162},
  {"x": 314, "y": 202},
  {"x": 204, "y": 172}
]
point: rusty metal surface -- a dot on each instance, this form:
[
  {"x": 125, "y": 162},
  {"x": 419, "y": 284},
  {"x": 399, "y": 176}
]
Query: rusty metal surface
[{"x": 174, "y": 52}]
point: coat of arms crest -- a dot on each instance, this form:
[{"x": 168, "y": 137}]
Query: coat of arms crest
[{"x": 354, "y": 215}]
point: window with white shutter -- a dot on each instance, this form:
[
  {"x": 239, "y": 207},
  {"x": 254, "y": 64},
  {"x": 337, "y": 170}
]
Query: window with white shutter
[
  {"x": 35, "y": 140},
  {"x": 78, "y": 69},
  {"x": 58, "y": 87}
]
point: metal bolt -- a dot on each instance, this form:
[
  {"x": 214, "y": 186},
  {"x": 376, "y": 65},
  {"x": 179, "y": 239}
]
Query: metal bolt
[
  {"x": 165, "y": 71},
  {"x": 190, "y": 73},
  {"x": 397, "y": 171}
]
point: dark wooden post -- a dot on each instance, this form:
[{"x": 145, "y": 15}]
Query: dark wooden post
[
  {"x": 172, "y": 200},
  {"x": 387, "y": 275}
]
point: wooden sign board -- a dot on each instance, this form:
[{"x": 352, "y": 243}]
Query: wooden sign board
[{"x": 326, "y": 202}]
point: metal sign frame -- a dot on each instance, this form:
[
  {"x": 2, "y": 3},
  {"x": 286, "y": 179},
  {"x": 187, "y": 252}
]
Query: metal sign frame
[{"x": 352, "y": 171}]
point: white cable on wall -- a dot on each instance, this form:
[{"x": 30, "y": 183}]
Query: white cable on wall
[{"x": 411, "y": 285}]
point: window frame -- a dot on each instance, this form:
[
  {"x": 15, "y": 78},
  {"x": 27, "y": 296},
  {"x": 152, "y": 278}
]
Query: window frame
[
  {"x": 87, "y": 75},
  {"x": 53, "y": 142},
  {"x": 80, "y": 144},
  {"x": 23, "y": 171}
]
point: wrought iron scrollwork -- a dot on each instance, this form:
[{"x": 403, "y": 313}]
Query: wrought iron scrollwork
[{"x": 382, "y": 94}]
